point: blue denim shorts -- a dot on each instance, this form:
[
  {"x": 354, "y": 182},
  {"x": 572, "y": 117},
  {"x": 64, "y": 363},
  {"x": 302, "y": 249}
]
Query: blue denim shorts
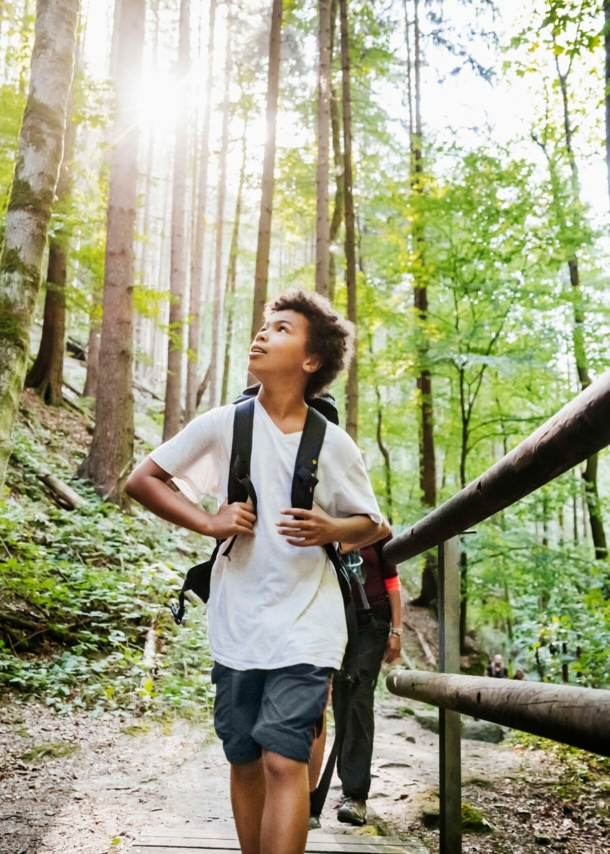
[{"x": 272, "y": 709}]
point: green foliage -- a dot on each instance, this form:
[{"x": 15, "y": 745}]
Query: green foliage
[{"x": 89, "y": 583}]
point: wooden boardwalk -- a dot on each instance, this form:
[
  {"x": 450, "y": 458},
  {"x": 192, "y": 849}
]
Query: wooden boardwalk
[{"x": 222, "y": 839}]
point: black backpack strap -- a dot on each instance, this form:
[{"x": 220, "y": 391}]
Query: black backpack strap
[
  {"x": 304, "y": 480},
  {"x": 240, "y": 485}
]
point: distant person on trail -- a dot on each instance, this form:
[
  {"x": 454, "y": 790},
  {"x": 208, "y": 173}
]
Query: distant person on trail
[
  {"x": 376, "y": 592},
  {"x": 277, "y": 624},
  {"x": 496, "y": 669}
]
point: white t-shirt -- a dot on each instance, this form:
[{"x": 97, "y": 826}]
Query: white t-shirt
[{"x": 271, "y": 604}]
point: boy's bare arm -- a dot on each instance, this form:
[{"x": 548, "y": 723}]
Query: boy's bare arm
[
  {"x": 317, "y": 528},
  {"x": 148, "y": 484}
]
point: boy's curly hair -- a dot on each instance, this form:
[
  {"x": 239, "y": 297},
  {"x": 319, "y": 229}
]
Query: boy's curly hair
[{"x": 331, "y": 337}]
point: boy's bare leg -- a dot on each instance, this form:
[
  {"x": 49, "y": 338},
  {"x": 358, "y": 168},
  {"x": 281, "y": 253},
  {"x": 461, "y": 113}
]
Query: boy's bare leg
[
  {"x": 286, "y": 814},
  {"x": 248, "y": 801}
]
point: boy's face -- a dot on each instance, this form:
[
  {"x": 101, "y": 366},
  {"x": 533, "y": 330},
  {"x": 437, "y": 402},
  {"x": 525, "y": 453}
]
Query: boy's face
[{"x": 280, "y": 349}]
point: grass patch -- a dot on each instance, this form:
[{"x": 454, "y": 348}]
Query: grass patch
[
  {"x": 479, "y": 782},
  {"x": 48, "y": 751},
  {"x": 134, "y": 730}
]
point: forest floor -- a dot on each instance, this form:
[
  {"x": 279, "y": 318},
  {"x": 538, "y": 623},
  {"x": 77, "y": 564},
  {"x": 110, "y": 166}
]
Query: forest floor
[{"x": 78, "y": 785}]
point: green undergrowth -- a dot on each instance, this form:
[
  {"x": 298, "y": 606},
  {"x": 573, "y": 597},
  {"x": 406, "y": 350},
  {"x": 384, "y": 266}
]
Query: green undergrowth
[{"x": 79, "y": 591}]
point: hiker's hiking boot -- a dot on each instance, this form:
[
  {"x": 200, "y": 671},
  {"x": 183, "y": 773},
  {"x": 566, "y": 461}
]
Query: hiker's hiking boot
[{"x": 352, "y": 811}]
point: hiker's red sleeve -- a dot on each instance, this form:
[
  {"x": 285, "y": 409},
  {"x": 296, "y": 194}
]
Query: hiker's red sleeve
[{"x": 392, "y": 583}]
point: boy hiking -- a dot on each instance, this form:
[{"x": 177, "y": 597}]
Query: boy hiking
[{"x": 276, "y": 615}]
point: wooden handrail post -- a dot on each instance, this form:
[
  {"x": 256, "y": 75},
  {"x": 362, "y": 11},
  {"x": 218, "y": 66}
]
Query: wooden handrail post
[{"x": 450, "y": 770}]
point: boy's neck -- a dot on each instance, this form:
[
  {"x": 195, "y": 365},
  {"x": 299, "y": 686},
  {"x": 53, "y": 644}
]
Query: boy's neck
[{"x": 286, "y": 407}]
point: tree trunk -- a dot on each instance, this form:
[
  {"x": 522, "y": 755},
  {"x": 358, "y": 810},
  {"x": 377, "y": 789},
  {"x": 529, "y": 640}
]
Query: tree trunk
[
  {"x": 387, "y": 463},
  {"x": 322, "y": 228},
  {"x": 46, "y": 374},
  {"x": 31, "y": 200},
  {"x": 192, "y": 381},
  {"x": 580, "y": 352},
  {"x": 93, "y": 347},
  {"x": 143, "y": 323},
  {"x": 338, "y": 210},
  {"x": 177, "y": 277},
  {"x": 261, "y": 271},
  {"x": 232, "y": 270},
  {"x": 607, "y": 79},
  {"x": 217, "y": 316},
  {"x": 350, "y": 234},
  {"x": 111, "y": 450},
  {"x": 427, "y": 458}
]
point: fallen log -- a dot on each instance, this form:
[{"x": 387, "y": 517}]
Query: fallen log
[{"x": 62, "y": 490}]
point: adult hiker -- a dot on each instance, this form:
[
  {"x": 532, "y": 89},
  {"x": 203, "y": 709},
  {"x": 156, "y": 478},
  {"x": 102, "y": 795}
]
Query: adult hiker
[
  {"x": 376, "y": 592},
  {"x": 277, "y": 624},
  {"x": 496, "y": 669}
]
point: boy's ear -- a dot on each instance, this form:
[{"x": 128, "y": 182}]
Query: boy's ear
[{"x": 312, "y": 364}]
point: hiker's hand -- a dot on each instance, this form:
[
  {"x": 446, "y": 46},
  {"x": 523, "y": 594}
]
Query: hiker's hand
[
  {"x": 313, "y": 528},
  {"x": 392, "y": 650},
  {"x": 231, "y": 519}
]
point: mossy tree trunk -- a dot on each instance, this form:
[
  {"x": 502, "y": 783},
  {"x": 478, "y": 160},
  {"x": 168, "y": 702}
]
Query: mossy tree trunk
[
  {"x": 46, "y": 374},
  {"x": 177, "y": 276},
  {"x": 261, "y": 270},
  {"x": 111, "y": 449},
  {"x": 350, "y": 223},
  {"x": 31, "y": 199},
  {"x": 192, "y": 365}
]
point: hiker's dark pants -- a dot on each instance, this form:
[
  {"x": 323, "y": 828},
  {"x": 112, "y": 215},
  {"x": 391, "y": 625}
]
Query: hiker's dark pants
[{"x": 354, "y": 763}]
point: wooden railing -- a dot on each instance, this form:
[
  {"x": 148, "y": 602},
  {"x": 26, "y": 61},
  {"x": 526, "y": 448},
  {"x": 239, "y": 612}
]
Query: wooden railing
[{"x": 576, "y": 716}]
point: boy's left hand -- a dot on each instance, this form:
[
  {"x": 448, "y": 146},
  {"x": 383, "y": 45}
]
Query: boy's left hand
[{"x": 313, "y": 528}]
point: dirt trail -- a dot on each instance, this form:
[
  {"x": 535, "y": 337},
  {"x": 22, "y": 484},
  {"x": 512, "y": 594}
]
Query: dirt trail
[{"x": 116, "y": 779}]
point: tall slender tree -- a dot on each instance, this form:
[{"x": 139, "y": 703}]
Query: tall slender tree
[
  {"x": 322, "y": 225},
  {"x": 590, "y": 474},
  {"x": 111, "y": 452},
  {"x": 177, "y": 276},
  {"x": 261, "y": 272},
  {"x": 95, "y": 312},
  {"x": 350, "y": 223},
  {"x": 192, "y": 380},
  {"x": 427, "y": 455},
  {"x": 232, "y": 269},
  {"x": 46, "y": 374},
  {"x": 607, "y": 92},
  {"x": 339, "y": 166},
  {"x": 217, "y": 326},
  {"x": 31, "y": 199}
]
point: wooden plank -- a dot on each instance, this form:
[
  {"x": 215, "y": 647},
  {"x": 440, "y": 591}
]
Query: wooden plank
[
  {"x": 329, "y": 848},
  {"x": 167, "y": 844},
  {"x": 164, "y": 836}
]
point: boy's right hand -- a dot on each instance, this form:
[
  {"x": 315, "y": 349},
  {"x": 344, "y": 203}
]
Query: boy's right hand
[{"x": 232, "y": 519}]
